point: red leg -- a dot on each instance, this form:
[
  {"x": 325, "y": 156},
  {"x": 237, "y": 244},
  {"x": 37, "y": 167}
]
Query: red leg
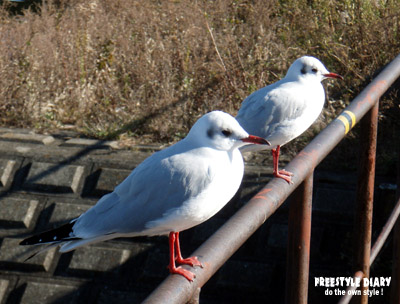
[
  {"x": 286, "y": 175},
  {"x": 192, "y": 261},
  {"x": 172, "y": 267}
]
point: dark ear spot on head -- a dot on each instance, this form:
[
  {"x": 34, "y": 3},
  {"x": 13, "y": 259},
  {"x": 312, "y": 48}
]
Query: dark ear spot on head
[
  {"x": 210, "y": 133},
  {"x": 303, "y": 70}
]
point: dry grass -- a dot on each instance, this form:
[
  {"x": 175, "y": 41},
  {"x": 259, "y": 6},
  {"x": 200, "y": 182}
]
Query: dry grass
[{"x": 150, "y": 68}]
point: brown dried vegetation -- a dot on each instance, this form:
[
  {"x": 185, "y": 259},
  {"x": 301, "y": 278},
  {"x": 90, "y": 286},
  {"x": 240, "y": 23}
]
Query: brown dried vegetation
[{"x": 116, "y": 68}]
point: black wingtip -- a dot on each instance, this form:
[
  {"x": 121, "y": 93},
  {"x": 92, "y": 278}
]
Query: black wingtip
[
  {"x": 50, "y": 236},
  {"x": 26, "y": 241}
]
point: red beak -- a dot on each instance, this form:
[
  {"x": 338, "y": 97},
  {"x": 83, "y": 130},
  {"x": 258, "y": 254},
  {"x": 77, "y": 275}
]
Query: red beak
[
  {"x": 256, "y": 140},
  {"x": 333, "y": 75}
]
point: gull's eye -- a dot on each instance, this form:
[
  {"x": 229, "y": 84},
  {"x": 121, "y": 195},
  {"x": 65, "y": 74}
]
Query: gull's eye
[
  {"x": 227, "y": 133},
  {"x": 314, "y": 70}
]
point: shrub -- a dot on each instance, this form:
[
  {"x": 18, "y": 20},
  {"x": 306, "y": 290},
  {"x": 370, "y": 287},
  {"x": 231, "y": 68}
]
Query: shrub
[{"x": 151, "y": 68}]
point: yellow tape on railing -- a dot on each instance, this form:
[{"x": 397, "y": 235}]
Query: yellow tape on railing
[{"x": 348, "y": 119}]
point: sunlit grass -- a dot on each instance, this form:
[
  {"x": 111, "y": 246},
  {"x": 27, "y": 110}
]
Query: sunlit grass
[{"x": 149, "y": 69}]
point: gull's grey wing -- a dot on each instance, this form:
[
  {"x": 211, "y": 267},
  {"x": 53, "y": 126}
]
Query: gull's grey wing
[
  {"x": 161, "y": 183},
  {"x": 270, "y": 108}
]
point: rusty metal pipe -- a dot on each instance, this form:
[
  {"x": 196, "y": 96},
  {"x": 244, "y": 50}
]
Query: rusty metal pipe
[
  {"x": 385, "y": 231},
  {"x": 299, "y": 237},
  {"x": 376, "y": 249},
  {"x": 226, "y": 240},
  {"x": 390, "y": 223},
  {"x": 196, "y": 297},
  {"x": 347, "y": 297},
  {"x": 365, "y": 196}
]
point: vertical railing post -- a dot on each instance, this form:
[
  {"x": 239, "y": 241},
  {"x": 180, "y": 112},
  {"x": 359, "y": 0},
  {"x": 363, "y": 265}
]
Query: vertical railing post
[
  {"x": 299, "y": 235},
  {"x": 365, "y": 196},
  {"x": 196, "y": 297},
  {"x": 395, "y": 284}
]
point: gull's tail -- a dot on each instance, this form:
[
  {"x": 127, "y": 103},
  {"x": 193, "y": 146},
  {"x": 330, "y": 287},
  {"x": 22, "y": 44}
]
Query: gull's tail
[
  {"x": 61, "y": 234},
  {"x": 52, "y": 238}
]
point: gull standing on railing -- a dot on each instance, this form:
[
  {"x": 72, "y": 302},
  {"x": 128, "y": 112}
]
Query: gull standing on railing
[
  {"x": 171, "y": 191},
  {"x": 285, "y": 109}
]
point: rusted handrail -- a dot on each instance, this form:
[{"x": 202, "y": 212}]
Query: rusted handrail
[
  {"x": 375, "y": 249},
  {"x": 365, "y": 196},
  {"x": 214, "y": 252},
  {"x": 299, "y": 236}
]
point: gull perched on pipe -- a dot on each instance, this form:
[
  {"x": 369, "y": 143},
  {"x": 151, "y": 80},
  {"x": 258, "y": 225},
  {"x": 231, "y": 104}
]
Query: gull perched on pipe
[
  {"x": 285, "y": 109},
  {"x": 171, "y": 191}
]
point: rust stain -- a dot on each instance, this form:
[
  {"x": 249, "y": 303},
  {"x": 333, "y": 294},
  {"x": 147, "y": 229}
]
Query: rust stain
[
  {"x": 376, "y": 87},
  {"x": 312, "y": 155},
  {"x": 261, "y": 194},
  {"x": 205, "y": 265},
  {"x": 306, "y": 233}
]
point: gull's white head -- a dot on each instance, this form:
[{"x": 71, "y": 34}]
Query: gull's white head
[
  {"x": 310, "y": 69},
  {"x": 221, "y": 131}
]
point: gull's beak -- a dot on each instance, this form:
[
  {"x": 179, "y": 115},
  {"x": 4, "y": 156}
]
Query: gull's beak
[
  {"x": 255, "y": 140},
  {"x": 333, "y": 75}
]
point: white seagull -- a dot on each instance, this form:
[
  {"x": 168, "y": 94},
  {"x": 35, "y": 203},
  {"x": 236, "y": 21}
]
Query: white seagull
[
  {"x": 171, "y": 191},
  {"x": 285, "y": 109}
]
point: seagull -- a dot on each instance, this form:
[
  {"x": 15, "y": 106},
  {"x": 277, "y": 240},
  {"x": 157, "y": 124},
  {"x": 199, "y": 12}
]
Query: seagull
[
  {"x": 170, "y": 191},
  {"x": 285, "y": 109}
]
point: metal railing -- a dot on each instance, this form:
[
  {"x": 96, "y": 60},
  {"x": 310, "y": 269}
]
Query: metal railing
[{"x": 214, "y": 252}]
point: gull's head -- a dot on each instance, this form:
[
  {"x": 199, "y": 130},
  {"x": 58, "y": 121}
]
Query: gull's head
[
  {"x": 221, "y": 131},
  {"x": 310, "y": 69}
]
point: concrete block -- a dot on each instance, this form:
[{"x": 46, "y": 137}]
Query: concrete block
[
  {"x": 13, "y": 255},
  {"x": 97, "y": 259},
  {"x": 104, "y": 180},
  {"x": 50, "y": 140},
  {"x": 28, "y": 137},
  {"x": 84, "y": 142},
  {"x": 3, "y": 289},
  {"x": 41, "y": 293},
  {"x": 50, "y": 177},
  {"x": 63, "y": 212},
  {"x": 17, "y": 213},
  {"x": 7, "y": 170}
]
